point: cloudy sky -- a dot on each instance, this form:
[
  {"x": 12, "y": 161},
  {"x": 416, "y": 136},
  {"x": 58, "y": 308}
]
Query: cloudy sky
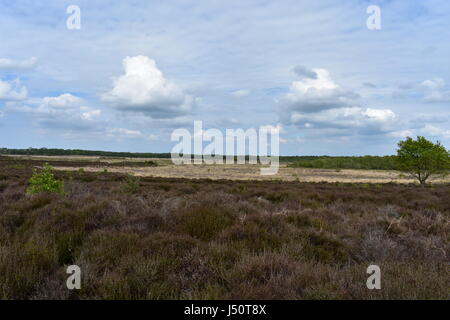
[{"x": 137, "y": 70}]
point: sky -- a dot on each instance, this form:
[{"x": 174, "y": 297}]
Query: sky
[{"x": 137, "y": 70}]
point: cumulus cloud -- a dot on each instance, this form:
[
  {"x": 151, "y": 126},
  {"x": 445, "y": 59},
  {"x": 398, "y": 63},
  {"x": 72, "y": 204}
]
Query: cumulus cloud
[
  {"x": 64, "y": 101},
  {"x": 317, "y": 94},
  {"x": 143, "y": 88},
  {"x": 354, "y": 117},
  {"x": 6, "y": 63},
  {"x": 65, "y": 111},
  {"x": 319, "y": 105},
  {"x": 12, "y": 91}
]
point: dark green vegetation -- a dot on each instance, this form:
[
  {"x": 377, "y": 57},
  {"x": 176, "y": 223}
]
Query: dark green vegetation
[
  {"x": 76, "y": 152},
  {"x": 17, "y": 162},
  {"x": 365, "y": 162},
  {"x": 202, "y": 239},
  {"x": 326, "y": 162},
  {"x": 422, "y": 158}
]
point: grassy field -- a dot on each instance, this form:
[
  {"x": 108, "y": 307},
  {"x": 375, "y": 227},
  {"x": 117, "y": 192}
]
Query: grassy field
[
  {"x": 164, "y": 168},
  {"x": 179, "y": 238}
]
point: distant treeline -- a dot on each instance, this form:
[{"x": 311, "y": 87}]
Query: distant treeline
[
  {"x": 325, "y": 162},
  {"x": 76, "y": 152},
  {"x": 364, "y": 162}
]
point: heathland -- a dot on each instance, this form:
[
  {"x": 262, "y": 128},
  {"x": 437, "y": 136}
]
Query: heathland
[{"x": 153, "y": 237}]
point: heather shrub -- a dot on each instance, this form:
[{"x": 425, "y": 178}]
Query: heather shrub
[
  {"x": 22, "y": 267},
  {"x": 322, "y": 248},
  {"x": 206, "y": 239},
  {"x": 252, "y": 237},
  {"x": 204, "y": 222},
  {"x": 276, "y": 197},
  {"x": 67, "y": 245}
]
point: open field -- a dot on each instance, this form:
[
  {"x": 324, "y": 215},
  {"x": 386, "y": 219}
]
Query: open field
[
  {"x": 177, "y": 238},
  {"x": 166, "y": 169}
]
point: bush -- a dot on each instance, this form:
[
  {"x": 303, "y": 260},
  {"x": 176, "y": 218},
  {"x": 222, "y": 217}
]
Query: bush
[
  {"x": 131, "y": 184},
  {"x": 45, "y": 182},
  {"x": 204, "y": 223}
]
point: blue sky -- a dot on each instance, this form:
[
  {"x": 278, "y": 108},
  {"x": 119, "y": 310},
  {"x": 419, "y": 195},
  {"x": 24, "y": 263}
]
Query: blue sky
[{"x": 137, "y": 70}]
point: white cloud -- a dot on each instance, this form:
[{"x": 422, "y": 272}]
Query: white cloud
[
  {"x": 15, "y": 64},
  {"x": 240, "y": 93},
  {"x": 426, "y": 130},
  {"x": 380, "y": 115},
  {"x": 435, "y": 90},
  {"x": 89, "y": 115},
  {"x": 319, "y": 104},
  {"x": 434, "y": 84},
  {"x": 143, "y": 88},
  {"x": 401, "y": 134},
  {"x": 64, "y": 101},
  {"x": 366, "y": 120},
  {"x": 124, "y": 133},
  {"x": 66, "y": 112},
  {"x": 434, "y": 131},
  {"x": 316, "y": 94},
  {"x": 12, "y": 91}
]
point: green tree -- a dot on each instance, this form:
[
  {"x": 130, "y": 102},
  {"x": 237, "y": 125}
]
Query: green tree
[
  {"x": 45, "y": 182},
  {"x": 422, "y": 158}
]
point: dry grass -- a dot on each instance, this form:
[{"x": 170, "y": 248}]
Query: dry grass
[
  {"x": 217, "y": 239},
  {"x": 252, "y": 172}
]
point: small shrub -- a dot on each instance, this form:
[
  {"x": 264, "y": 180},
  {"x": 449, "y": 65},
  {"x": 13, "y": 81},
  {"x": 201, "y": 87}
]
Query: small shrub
[
  {"x": 150, "y": 163},
  {"x": 276, "y": 197},
  {"x": 204, "y": 223},
  {"x": 45, "y": 182},
  {"x": 131, "y": 184},
  {"x": 239, "y": 189},
  {"x": 325, "y": 249}
]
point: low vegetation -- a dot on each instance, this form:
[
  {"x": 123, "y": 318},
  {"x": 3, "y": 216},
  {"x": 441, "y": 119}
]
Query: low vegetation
[
  {"x": 221, "y": 239},
  {"x": 45, "y": 181},
  {"x": 365, "y": 162}
]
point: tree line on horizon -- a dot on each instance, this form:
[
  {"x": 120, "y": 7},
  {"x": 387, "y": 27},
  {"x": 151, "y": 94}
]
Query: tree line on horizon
[
  {"x": 331, "y": 162},
  {"x": 419, "y": 158}
]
